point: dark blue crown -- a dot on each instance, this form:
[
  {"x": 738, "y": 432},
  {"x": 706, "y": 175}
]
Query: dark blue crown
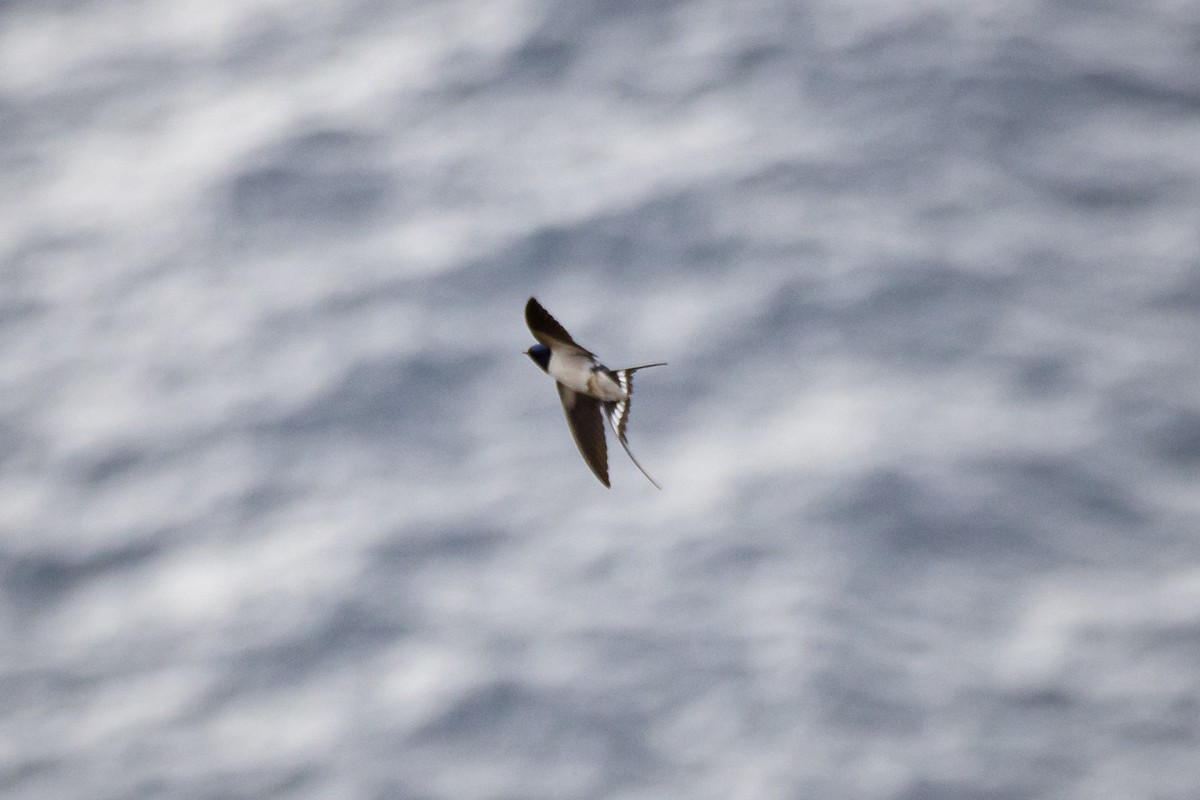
[{"x": 540, "y": 355}]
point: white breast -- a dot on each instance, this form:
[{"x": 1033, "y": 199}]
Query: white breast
[
  {"x": 570, "y": 370},
  {"x": 575, "y": 372}
]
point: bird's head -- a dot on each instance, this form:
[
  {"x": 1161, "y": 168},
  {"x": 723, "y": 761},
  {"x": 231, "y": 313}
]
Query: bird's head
[{"x": 540, "y": 355}]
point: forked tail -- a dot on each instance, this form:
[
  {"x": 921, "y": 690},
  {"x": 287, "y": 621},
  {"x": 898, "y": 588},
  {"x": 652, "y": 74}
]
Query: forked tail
[{"x": 618, "y": 412}]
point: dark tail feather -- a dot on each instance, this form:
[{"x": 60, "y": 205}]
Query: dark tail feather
[
  {"x": 637, "y": 464},
  {"x": 618, "y": 412}
]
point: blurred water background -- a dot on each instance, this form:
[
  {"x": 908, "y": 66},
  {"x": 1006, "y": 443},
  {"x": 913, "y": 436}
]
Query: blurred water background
[{"x": 285, "y": 513}]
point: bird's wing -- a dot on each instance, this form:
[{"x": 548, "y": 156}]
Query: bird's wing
[
  {"x": 587, "y": 426},
  {"x": 546, "y": 330}
]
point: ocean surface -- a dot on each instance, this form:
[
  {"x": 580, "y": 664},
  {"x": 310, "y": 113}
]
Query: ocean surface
[{"x": 286, "y": 513}]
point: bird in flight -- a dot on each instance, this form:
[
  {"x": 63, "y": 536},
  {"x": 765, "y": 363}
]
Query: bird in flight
[{"x": 586, "y": 388}]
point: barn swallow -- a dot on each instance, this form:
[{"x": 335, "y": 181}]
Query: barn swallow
[{"x": 586, "y": 388}]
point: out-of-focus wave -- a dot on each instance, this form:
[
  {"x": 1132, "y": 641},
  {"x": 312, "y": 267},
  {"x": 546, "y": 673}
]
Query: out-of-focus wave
[{"x": 286, "y": 513}]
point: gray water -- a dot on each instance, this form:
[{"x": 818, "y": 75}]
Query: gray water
[{"x": 285, "y": 513}]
